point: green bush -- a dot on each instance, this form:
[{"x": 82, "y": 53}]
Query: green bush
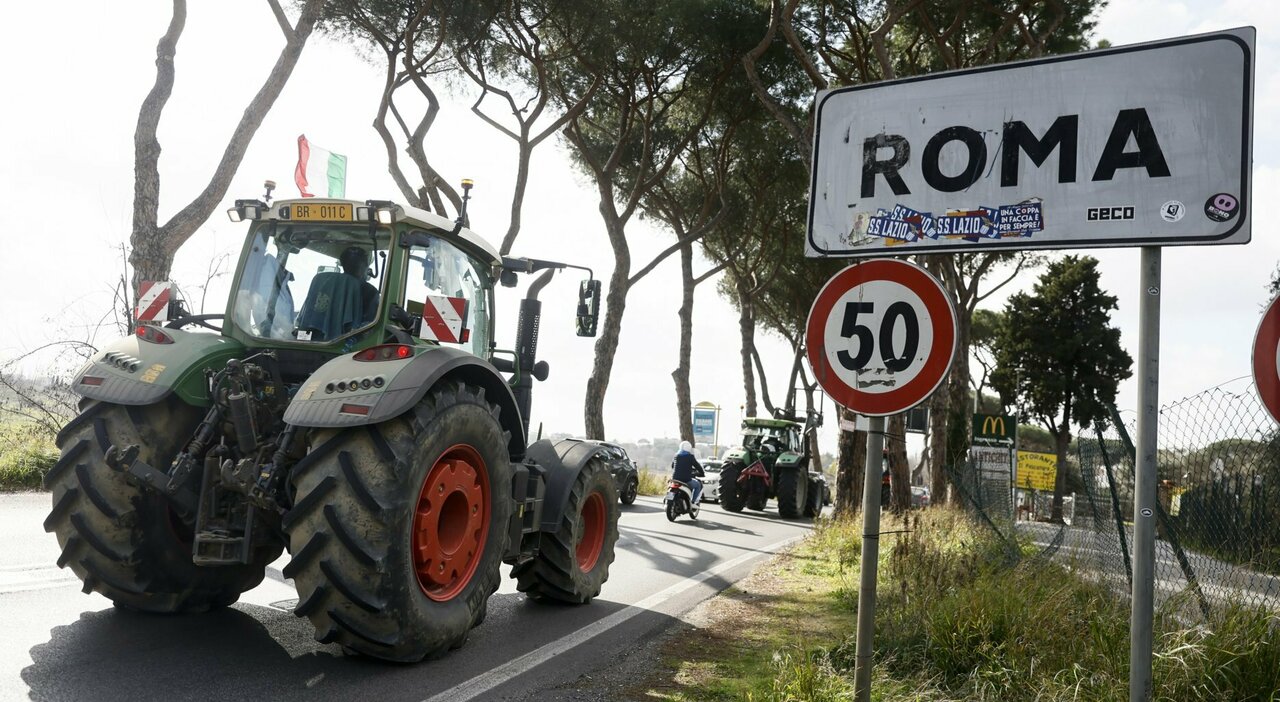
[{"x": 652, "y": 483}]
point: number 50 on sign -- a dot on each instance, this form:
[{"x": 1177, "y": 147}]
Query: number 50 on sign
[{"x": 880, "y": 336}]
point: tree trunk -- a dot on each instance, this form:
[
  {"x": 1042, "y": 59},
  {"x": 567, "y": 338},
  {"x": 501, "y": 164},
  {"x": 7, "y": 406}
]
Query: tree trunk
[
  {"x": 851, "y": 465},
  {"x": 939, "y": 420},
  {"x": 517, "y": 198},
  {"x": 615, "y": 305},
  {"x": 154, "y": 245},
  {"x": 150, "y": 257},
  {"x": 939, "y": 477},
  {"x": 899, "y": 469},
  {"x": 746, "y": 331},
  {"x": 606, "y": 348},
  {"x": 1061, "y": 440},
  {"x": 684, "y": 397}
]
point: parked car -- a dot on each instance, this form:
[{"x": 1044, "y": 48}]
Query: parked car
[
  {"x": 919, "y": 496},
  {"x": 711, "y": 481},
  {"x": 626, "y": 476}
]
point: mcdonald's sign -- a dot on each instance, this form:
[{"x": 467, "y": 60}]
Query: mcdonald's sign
[{"x": 994, "y": 429}]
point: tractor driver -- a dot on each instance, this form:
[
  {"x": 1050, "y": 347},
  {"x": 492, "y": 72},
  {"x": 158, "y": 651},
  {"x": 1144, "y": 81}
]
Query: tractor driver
[{"x": 355, "y": 263}]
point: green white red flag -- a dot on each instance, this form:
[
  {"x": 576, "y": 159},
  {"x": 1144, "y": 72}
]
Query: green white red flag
[{"x": 320, "y": 172}]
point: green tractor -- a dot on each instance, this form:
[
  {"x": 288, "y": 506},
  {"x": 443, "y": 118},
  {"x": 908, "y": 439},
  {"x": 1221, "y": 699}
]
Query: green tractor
[
  {"x": 351, "y": 407},
  {"x": 774, "y": 461}
]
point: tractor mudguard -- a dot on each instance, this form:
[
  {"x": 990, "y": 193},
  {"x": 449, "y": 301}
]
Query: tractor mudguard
[
  {"x": 737, "y": 454},
  {"x": 131, "y": 371},
  {"x": 562, "y": 460},
  {"x": 345, "y": 392},
  {"x": 788, "y": 460}
]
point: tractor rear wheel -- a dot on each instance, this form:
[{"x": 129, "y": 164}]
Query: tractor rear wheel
[
  {"x": 398, "y": 528},
  {"x": 573, "y": 562},
  {"x": 126, "y": 542},
  {"x": 792, "y": 490},
  {"x": 730, "y": 493}
]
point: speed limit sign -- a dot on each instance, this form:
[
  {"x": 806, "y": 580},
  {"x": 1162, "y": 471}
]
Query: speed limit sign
[{"x": 880, "y": 336}]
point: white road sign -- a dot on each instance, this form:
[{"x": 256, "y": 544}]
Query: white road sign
[
  {"x": 880, "y": 336},
  {"x": 1142, "y": 145}
]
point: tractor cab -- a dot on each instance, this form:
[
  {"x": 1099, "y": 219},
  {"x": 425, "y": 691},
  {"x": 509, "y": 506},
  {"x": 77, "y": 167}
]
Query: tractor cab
[{"x": 341, "y": 276}]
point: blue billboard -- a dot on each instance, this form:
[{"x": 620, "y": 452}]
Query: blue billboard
[{"x": 704, "y": 424}]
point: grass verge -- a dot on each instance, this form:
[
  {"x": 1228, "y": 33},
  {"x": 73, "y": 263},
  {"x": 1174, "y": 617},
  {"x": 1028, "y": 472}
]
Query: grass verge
[
  {"x": 652, "y": 483},
  {"x": 26, "y": 454},
  {"x": 955, "y": 620}
]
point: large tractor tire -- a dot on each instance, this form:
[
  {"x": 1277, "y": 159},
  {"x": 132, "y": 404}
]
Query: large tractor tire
[
  {"x": 731, "y": 497},
  {"x": 757, "y": 494},
  {"x": 397, "y": 529},
  {"x": 126, "y": 542},
  {"x": 573, "y": 562},
  {"x": 793, "y": 484}
]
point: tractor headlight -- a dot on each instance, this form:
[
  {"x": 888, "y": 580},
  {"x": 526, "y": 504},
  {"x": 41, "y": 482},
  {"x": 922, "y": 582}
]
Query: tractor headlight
[
  {"x": 383, "y": 210},
  {"x": 247, "y": 209}
]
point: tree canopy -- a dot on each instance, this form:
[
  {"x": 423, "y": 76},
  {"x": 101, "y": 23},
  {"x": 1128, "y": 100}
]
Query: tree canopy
[{"x": 1058, "y": 359}]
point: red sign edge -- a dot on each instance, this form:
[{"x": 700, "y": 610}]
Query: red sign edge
[{"x": 1266, "y": 341}]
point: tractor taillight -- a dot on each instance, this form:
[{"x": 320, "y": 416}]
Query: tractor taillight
[
  {"x": 147, "y": 332},
  {"x": 386, "y": 352}
]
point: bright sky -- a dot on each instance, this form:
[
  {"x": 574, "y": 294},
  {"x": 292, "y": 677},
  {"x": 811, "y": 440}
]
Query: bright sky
[{"x": 77, "y": 71}]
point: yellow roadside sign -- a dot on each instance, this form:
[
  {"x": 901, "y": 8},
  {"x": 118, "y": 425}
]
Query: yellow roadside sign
[{"x": 1036, "y": 471}]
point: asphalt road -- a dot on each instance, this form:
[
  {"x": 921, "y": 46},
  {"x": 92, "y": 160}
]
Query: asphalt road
[
  {"x": 1221, "y": 582},
  {"x": 60, "y": 644}
]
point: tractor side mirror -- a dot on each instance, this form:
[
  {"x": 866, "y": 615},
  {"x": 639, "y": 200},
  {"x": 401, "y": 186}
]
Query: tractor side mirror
[{"x": 588, "y": 307}]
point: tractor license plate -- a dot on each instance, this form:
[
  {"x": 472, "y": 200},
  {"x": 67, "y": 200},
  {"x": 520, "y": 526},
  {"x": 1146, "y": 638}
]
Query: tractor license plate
[{"x": 321, "y": 212}]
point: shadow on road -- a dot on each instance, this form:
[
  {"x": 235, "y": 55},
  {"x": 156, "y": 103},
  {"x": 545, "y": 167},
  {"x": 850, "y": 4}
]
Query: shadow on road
[
  {"x": 116, "y": 654},
  {"x": 254, "y": 652},
  {"x": 639, "y": 507}
]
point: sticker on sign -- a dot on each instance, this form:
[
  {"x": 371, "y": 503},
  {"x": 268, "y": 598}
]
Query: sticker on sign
[{"x": 1033, "y": 154}]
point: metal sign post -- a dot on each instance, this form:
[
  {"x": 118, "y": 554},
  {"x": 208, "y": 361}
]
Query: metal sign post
[
  {"x": 870, "y": 557},
  {"x": 1144, "y": 491}
]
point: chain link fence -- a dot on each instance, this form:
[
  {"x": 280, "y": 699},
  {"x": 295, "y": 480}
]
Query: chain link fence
[{"x": 1218, "y": 526}]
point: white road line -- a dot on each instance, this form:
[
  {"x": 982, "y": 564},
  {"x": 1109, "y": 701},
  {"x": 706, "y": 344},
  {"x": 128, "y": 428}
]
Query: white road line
[{"x": 485, "y": 682}]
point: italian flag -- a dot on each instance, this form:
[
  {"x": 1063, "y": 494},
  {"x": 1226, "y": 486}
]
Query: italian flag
[{"x": 320, "y": 171}]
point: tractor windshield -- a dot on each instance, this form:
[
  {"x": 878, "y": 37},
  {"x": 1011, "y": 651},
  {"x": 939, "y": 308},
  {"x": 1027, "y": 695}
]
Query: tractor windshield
[
  {"x": 311, "y": 282},
  {"x": 758, "y": 437}
]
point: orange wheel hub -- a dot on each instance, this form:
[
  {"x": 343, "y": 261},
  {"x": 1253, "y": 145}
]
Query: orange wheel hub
[
  {"x": 591, "y": 542},
  {"x": 451, "y": 523}
]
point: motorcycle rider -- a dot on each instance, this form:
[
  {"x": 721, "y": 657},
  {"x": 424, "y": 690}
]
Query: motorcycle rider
[{"x": 684, "y": 468}]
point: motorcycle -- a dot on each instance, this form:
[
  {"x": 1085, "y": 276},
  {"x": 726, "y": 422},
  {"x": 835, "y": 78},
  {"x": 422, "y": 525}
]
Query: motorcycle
[{"x": 679, "y": 501}]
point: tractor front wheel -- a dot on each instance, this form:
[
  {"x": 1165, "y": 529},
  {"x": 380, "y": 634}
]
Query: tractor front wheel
[
  {"x": 398, "y": 528},
  {"x": 730, "y": 491},
  {"x": 573, "y": 562},
  {"x": 125, "y": 542}
]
